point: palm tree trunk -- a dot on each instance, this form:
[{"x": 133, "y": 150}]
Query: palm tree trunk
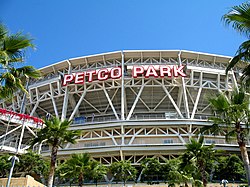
[
  {"x": 80, "y": 180},
  {"x": 203, "y": 172},
  {"x": 244, "y": 155},
  {"x": 52, "y": 165},
  {"x": 204, "y": 177},
  {"x": 243, "y": 150},
  {"x": 186, "y": 184}
]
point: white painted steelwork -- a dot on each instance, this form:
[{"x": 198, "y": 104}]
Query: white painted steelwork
[{"x": 132, "y": 118}]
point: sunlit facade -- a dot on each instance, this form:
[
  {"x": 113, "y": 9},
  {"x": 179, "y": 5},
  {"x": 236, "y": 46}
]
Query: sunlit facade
[{"x": 129, "y": 113}]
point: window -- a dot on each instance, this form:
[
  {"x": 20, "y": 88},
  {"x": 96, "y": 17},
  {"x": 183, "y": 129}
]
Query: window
[{"x": 168, "y": 141}]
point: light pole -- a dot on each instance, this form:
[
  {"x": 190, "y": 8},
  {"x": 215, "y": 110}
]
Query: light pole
[{"x": 14, "y": 158}]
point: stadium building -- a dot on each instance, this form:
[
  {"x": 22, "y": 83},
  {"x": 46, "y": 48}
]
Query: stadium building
[{"x": 129, "y": 104}]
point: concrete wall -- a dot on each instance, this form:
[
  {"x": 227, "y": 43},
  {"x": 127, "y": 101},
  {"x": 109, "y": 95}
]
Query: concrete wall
[{"x": 27, "y": 181}]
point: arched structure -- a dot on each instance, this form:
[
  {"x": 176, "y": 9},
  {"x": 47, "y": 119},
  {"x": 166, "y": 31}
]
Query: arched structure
[{"x": 127, "y": 116}]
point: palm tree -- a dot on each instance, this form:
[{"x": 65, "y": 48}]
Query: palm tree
[
  {"x": 123, "y": 170},
  {"x": 232, "y": 114},
  {"x": 78, "y": 165},
  {"x": 176, "y": 173},
  {"x": 5, "y": 165},
  {"x": 199, "y": 156},
  {"x": 32, "y": 164},
  {"x": 230, "y": 167},
  {"x": 150, "y": 167},
  {"x": 239, "y": 18},
  {"x": 12, "y": 48},
  {"x": 97, "y": 171},
  {"x": 56, "y": 134}
]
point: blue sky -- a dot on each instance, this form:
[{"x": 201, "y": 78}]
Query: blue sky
[{"x": 64, "y": 29}]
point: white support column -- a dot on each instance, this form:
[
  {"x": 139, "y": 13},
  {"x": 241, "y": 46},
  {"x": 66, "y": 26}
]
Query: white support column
[
  {"x": 122, "y": 105},
  {"x": 9, "y": 132},
  {"x": 172, "y": 101},
  {"x": 59, "y": 87},
  {"x": 34, "y": 108},
  {"x": 218, "y": 81},
  {"x": 226, "y": 82},
  {"x": 21, "y": 137},
  {"x": 122, "y": 90},
  {"x": 66, "y": 96},
  {"x": 72, "y": 103},
  {"x": 121, "y": 154},
  {"x": 53, "y": 100},
  {"x": 31, "y": 131},
  {"x": 134, "y": 136},
  {"x": 92, "y": 106},
  {"x": 141, "y": 100},
  {"x": 234, "y": 81},
  {"x": 192, "y": 77},
  {"x": 178, "y": 135},
  {"x": 125, "y": 104},
  {"x": 180, "y": 96},
  {"x": 196, "y": 102},
  {"x": 135, "y": 102},
  {"x": 160, "y": 102},
  {"x": 184, "y": 90},
  {"x": 111, "y": 99},
  {"x": 111, "y": 136},
  {"x": 110, "y": 102},
  {"x": 78, "y": 104}
]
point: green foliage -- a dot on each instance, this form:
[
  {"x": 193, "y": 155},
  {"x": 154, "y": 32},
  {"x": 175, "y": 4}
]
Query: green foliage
[
  {"x": 150, "y": 167},
  {"x": 239, "y": 18},
  {"x": 231, "y": 113},
  {"x": 5, "y": 165},
  {"x": 56, "y": 133},
  {"x": 176, "y": 173},
  {"x": 123, "y": 171},
  {"x": 29, "y": 164},
  {"x": 32, "y": 164},
  {"x": 12, "y": 53},
  {"x": 77, "y": 166},
  {"x": 97, "y": 171},
  {"x": 198, "y": 160},
  {"x": 232, "y": 116},
  {"x": 230, "y": 168},
  {"x": 80, "y": 166}
]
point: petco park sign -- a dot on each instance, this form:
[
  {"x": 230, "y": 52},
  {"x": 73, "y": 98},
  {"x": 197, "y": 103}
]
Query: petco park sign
[{"x": 116, "y": 73}]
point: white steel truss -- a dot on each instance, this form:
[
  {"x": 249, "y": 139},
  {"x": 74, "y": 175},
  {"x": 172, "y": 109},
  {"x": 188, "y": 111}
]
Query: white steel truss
[{"x": 126, "y": 117}]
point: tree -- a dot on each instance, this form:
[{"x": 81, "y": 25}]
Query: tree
[
  {"x": 230, "y": 167},
  {"x": 32, "y": 164},
  {"x": 239, "y": 18},
  {"x": 123, "y": 171},
  {"x": 199, "y": 156},
  {"x": 150, "y": 167},
  {"x": 56, "y": 134},
  {"x": 4, "y": 165},
  {"x": 232, "y": 116},
  {"x": 12, "y": 50},
  {"x": 176, "y": 173},
  {"x": 78, "y": 165},
  {"x": 97, "y": 171}
]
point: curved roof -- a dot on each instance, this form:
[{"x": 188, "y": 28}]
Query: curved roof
[{"x": 134, "y": 54}]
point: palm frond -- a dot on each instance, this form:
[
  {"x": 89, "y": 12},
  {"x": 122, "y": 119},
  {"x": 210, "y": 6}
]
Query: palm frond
[
  {"x": 219, "y": 103},
  {"x": 26, "y": 71},
  {"x": 230, "y": 136},
  {"x": 3, "y": 31},
  {"x": 239, "y": 18}
]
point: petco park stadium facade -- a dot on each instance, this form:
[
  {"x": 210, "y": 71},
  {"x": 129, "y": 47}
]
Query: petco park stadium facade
[{"x": 131, "y": 104}]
